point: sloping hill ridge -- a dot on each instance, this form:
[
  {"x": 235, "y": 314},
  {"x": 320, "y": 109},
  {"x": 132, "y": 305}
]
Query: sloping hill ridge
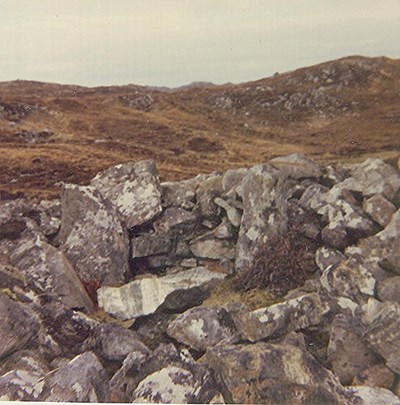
[{"x": 344, "y": 110}]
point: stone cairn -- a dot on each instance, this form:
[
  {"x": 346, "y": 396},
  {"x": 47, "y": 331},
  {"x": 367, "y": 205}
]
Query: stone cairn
[{"x": 103, "y": 293}]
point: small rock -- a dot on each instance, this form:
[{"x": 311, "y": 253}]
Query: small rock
[
  {"x": 178, "y": 219},
  {"x": 389, "y": 289},
  {"x": 133, "y": 189},
  {"x": 212, "y": 249},
  {"x": 326, "y": 257},
  {"x": 379, "y": 209},
  {"x": 152, "y": 244},
  {"x": 19, "y": 385},
  {"x": 142, "y": 297},
  {"x": 232, "y": 213}
]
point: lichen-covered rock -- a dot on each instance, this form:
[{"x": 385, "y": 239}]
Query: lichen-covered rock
[
  {"x": 326, "y": 257},
  {"x": 380, "y": 209},
  {"x": 381, "y": 330},
  {"x": 261, "y": 220},
  {"x": 206, "y": 193},
  {"x": 373, "y": 396},
  {"x": 212, "y": 249},
  {"x": 284, "y": 317},
  {"x": 375, "y": 376},
  {"x": 389, "y": 289},
  {"x": 19, "y": 385},
  {"x": 48, "y": 271},
  {"x": 144, "y": 296},
  {"x": 297, "y": 166},
  {"x": 152, "y": 244},
  {"x": 83, "y": 379},
  {"x": 272, "y": 373},
  {"x": 18, "y": 325},
  {"x": 232, "y": 213},
  {"x": 200, "y": 328},
  {"x": 180, "y": 220},
  {"x": 348, "y": 354},
  {"x": 113, "y": 342},
  {"x": 133, "y": 189},
  {"x": 92, "y": 236}
]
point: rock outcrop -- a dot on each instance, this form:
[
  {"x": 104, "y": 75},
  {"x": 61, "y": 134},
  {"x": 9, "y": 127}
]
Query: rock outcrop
[{"x": 272, "y": 284}]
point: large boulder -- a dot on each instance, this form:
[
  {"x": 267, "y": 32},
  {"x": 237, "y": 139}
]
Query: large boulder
[
  {"x": 18, "y": 325},
  {"x": 83, "y": 379},
  {"x": 272, "y": 373},
  {"x": 142, "y": 297},
  {"x": 133, "y": 189},
  {"x": 92, "y": 237}
]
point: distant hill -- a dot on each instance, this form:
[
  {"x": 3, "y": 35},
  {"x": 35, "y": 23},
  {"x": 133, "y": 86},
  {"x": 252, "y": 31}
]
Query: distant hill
[{"x": 342, "y": 110}]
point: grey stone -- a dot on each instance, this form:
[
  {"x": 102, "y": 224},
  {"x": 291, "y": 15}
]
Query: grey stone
[
  {"x": 232, "y": 213},
  {"x": 18, "y": 325},
  {"x": 206, "y": 193},
  {"x": 27, "y": 360},
  {"x": 374, "y": 396},
  {"x": 314, "y": 197},
  {"x": 200, "y": 328},
  {"x": 48, "y": 271},
  {"x": 380, "y": 209},
  {"x": 83, "y": 379},
  {"x": 212, "y": 249},
  {"x": 232, "y": 180},
  {"x": 152, "y": 244},
  {"x": 92, "y": 236},
  {"x": 389, "y": 289},
  {"x": 381, "y": 330},
  {"x": 133, "y": 189},
  {"x": 272, "y": 373},
  {"x": 281, "y": 318},
  {"x": 144, "y": 296},
  {"x": 297, "y": 166},
  {"x": 113, "y": 342},
  {"x": 326, "y": 257},
  {"x": 178, "y": 219},
  {"x": 19, "y": 385},
  {"x": 335, "y": 235},
  {"x": 189, "y": 263},
  {"x": 348, "y": 354}
]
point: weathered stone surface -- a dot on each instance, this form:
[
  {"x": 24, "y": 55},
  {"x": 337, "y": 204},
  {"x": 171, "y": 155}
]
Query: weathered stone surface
[
  {"x": 375, "y": 376},
  {"x": 200, "y": 328},
  {"x": 272, "y": 373},
  {"x": 206, "y": 193},
  {"x": 11, "y": 277},
  {"x": 83, "y": 379},
  {"x": 379, "y": 209},
  {"x": 213, "y": 249},
  {"x": 389, "y": 289},
  {"x": 335, "y": 235},
  {"x": 27, "y": 360},
  {"x": 374, "y": 396},
  {"x": 152, "y": 244},
  {"x": 348, "y": 354},
  {"x": 232, "y": 180},
  {"x": 375, "y": 176},
  {"x": 281, "y": 318},
  {"x": 168, "y": 385},
  {"x": 260, "y": 220},
  {"x": 142, "y": 297},
  {"x": 92, "y": 236},
  {"x": 18, "y": 325},
  {"x": 326, "y": 257},
  {"x": 381, "y": 330},
  {"x": 314, "y": 197},
  {"x": 48, "y": 271},
  {"x": 19, "y": 385},
  {"x": 133, "y": 189},
  {"x": 297, "y": 166},
  {"x": 176, "y": 218},
  {"x": 232, "y": 213},
  {"x": 113, "y": 343}
]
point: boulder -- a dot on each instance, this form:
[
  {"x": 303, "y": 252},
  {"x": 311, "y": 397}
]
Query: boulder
[
  {"x": 381, "y": 330},
  {"x": 18, "y": 325},
  {"x": 348, "y": 354},
  {"x": 83, "y": 379},
  {"x": 380, "y": 209},
  {"x": 145, "y": 296},
  {"x": 297, "y": 166},
  {"x": 133, "y": 189},
  {"x": 92, "y": 237},
  {"x": 200, "y": 328},
  {"x": 272, "y": 373},
  {"x": 47, "y": 271},
  {"x": 282, "y": 318}
]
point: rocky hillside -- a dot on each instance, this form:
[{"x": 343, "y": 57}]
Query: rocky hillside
[
  {"x": 273, "y": 284},
  {"x": 340, "y": 111}
]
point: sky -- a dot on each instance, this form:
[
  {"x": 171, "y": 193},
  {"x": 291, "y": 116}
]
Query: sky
[{"x": 175, "y": 42}]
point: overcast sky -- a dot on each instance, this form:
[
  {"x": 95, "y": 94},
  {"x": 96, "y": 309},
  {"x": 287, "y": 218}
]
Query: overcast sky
[{"x": 174, "y": 42}]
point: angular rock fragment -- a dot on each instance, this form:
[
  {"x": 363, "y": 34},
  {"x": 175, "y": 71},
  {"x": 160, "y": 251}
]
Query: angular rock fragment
[
  {"x": 48, "y": 271},
  {"x": 375, "y": 376},
  {"x": 144, "y": 296},
  {"x": 27, "y": 360},
  {"x": 133, "y": 189},
  {"x": 374, "y": 396},
  {"x": 200, "y": 328},
  {"x": 281, "y": 318},
  {"x": 271, "y": 374},
  {"x": 379, "y": 209},
  {"x": 297, "y": 166},
  {"x": 326, "y": 257},
  {"x": 213, "y": 249},
  {"x": 232, "y": 213},
  {"x": 83, "y": 379},
  {"x": 19, "y": 385},
  {"x": 206, "y": 193},
  {"x": 179, "y": 219},
  {"x": 92, "y": 237},
  {"x": 389, "y": 289},
  {"x": 18, "y": 325},
  {"x": 152, "y": 244}
]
